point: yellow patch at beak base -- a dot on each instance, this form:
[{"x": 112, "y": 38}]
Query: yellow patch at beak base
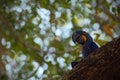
[{"x": 84, "y": 38}]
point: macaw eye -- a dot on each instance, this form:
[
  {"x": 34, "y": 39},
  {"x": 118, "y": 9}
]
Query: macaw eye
[{"x": 84, "y": 32}]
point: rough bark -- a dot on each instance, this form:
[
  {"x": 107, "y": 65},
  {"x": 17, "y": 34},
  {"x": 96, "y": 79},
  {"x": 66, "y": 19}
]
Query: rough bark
[{"x": 102, "y": 64}]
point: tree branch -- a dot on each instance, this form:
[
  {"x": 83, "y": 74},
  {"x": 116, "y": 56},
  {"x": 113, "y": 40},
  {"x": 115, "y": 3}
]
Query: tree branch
[{"x": 102, "y": 64}]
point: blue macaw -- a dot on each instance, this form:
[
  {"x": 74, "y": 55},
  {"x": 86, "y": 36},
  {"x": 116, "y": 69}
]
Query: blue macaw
[{"x": 88, "y": 45}]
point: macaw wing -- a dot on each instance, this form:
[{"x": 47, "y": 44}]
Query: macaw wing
[
  {"x": 89, "y": 48},
  {"x": 93, "y": 46}
]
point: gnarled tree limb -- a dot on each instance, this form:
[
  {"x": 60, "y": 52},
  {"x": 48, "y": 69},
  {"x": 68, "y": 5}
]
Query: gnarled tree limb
[{"x": 102, "y": 64}]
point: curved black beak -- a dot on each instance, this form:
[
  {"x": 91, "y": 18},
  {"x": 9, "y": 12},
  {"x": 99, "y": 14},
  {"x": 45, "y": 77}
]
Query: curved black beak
[{"x": 75, "y": 37}]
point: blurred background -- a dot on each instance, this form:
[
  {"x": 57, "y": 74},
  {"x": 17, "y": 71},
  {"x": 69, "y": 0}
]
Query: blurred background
[{"x": 35, "y": 35}]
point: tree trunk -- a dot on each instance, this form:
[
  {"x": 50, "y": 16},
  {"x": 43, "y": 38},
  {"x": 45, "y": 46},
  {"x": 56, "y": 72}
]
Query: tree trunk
[{"x": 102, "y": 64}]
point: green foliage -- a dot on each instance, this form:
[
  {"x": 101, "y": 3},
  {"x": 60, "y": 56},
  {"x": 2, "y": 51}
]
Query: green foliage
[{"x": 35, "y": 36}]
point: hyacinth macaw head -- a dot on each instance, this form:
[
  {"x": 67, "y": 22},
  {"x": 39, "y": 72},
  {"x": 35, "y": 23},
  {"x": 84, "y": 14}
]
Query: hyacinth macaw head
[{"x": 81, "y": 37}]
